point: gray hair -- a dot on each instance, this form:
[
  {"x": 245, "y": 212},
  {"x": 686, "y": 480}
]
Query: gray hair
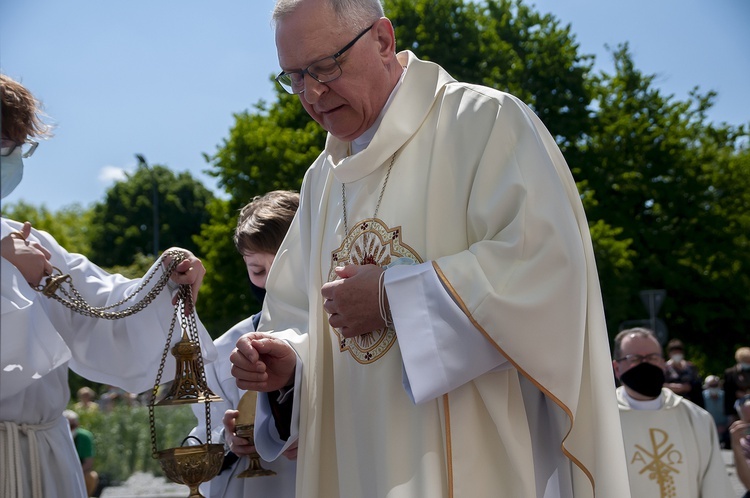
[{"x": 358, "y": 13}]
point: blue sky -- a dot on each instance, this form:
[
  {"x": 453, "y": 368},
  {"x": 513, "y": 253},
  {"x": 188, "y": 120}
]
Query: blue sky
[{"x": 163, "y": 78}]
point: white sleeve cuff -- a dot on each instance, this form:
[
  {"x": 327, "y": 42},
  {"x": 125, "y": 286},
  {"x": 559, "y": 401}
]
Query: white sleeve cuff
[
  {"x": 268, "y": 443},
  {"x": 440, "y": 347}
]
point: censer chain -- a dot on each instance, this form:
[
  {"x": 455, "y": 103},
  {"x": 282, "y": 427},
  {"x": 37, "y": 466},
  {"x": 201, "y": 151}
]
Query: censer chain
[{"x": 73, "y": 299}]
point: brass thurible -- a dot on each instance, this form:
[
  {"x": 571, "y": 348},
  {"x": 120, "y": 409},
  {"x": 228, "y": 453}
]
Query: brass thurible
[{"x": 196, "y": 464}]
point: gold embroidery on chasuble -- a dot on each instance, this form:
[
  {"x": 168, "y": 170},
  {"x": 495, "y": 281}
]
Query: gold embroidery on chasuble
[
  {"x": 659, "y": 462},
  {"x": 369, "y": 242}
]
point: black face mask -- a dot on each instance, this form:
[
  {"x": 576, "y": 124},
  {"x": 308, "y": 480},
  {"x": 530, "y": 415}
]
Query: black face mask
[
  {"x": 259, "y": 293},
  {"x": 645, "y": 379}
]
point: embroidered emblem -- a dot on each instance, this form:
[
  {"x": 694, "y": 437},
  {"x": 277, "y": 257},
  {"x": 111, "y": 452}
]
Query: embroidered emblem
[
  {"x": 369, "y": 242},
  {"x": 660, "y": 462}
]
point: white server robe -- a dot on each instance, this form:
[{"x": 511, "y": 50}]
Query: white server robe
[
  {"x": 40, "y": 339},
  {"x": 220, "y": 381}
]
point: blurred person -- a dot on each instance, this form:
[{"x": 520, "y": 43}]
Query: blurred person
[
  {"x": 261, "y": 228},
  {"x": 736, "y": 382},
  {"x": 419, "y": 309},
  {"x": 86, "y": 400},
  {"x": 671, "y": 444},
  {"x": 40, "y": 338},
  {"x": 713, "y": 403},
  {"x": 740, "y": 434},
  {"x": 681, "y": 376},
  {"x": 115, "y": 396},
  {"x": 84, "y": 442}
]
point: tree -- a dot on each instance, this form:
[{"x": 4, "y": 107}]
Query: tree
[
  {"x": 123, "y": 223},
  {"x": 69, "y": 225},
  {"x": 268, "y": 149},
  {"x": 669, "y": 180},
  {"x": 507, "y": 45},
  {"x": 225, "y": 296}
]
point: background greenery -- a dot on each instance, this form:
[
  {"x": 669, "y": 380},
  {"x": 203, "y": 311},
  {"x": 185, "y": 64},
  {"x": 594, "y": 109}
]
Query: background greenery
[
  {"x": 122, "y": 438},
  {"x": 666, "y": 191}
]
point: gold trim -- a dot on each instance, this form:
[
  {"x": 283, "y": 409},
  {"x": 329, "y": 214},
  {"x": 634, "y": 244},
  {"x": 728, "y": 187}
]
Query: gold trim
[
  {"x": 562, "y": 405},
  {"x": 448, "y": 443}
]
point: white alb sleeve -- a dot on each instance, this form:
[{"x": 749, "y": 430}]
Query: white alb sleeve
[{"x": 440, "y": 347}]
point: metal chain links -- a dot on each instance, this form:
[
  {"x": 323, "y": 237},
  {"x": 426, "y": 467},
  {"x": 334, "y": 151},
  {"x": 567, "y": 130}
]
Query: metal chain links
[
  {"x": 157, "y": 382},
  {"x": 190, "y": 330},
  {"x": 73, "y": 299}
]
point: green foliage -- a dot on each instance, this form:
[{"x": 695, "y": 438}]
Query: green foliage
[
  {"x": 225, "y": 296},
  {"x": 122, "y": 437},
  {"x": 139, "y": 267},
  {"x": 69, "y": 226},
  {"x": 267, "y": 150},
  {"x": 123, "y": 223},
  {"x": 670, "y": 181},
  {"x": 503, "y": 44}
]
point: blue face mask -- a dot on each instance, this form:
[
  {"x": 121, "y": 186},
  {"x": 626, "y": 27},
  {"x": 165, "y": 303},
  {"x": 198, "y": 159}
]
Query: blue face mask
[{"x": 11, "y": 170}]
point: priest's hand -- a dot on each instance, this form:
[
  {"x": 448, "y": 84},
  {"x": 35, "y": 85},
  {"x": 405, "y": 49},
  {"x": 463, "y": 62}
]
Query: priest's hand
[
  {"x": 30, "y": 258},
  {"x": 353, "y": 301},
  {"x": 263, "y": 363}
]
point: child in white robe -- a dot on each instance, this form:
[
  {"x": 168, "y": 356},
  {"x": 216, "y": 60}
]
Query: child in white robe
[{"x": 261, "y": 228}]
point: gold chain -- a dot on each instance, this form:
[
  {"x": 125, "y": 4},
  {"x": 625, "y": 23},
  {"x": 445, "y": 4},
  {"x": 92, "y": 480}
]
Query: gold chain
[
  {"x": 189, "y": 328},
  {"x": 380, "y": 197},
  {"x": 72, "y": 299}
]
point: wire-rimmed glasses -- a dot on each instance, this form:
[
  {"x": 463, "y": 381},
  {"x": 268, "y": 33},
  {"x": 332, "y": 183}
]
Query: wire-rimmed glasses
[
  {"x": 323, "y": 71},
  {"x": 636, "y": 359}
]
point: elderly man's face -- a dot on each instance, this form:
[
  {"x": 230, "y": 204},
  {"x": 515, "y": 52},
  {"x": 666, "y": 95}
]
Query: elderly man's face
[{"x": 348, "y": 106}]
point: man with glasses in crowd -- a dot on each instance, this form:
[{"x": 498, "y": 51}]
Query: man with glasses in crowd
[
  {"x": 440, "y": 241},
  {"x": 671, "y": 444}
]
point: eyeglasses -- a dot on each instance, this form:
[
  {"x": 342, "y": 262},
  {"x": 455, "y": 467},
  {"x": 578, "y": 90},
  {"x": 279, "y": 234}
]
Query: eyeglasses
[
  {"x": 636, "y": 359},
  {"x": 323, "y": 71},
  {"x": 27, "y": 148}
]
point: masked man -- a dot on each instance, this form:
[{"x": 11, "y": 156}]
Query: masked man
[{"x": 671, "y": 444}]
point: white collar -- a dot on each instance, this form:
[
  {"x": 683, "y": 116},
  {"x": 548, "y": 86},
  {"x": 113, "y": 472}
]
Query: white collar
[
  {"x": 649, "y": 404},
  {"x": 361, "y": 142}
]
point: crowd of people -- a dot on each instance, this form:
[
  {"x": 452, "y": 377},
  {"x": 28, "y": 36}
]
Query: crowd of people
[{"x": 397, "y": 353}]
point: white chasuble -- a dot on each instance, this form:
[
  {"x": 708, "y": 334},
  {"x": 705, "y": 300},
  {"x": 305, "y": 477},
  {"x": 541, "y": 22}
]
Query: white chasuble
[
  {"x": 673, "y": 452},
  {"x": 480, "y": 192}
]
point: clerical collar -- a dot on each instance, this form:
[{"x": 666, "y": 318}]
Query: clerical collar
[
  {"x": 361, "y": 142},
  {"x": 649, "y": 404}
]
